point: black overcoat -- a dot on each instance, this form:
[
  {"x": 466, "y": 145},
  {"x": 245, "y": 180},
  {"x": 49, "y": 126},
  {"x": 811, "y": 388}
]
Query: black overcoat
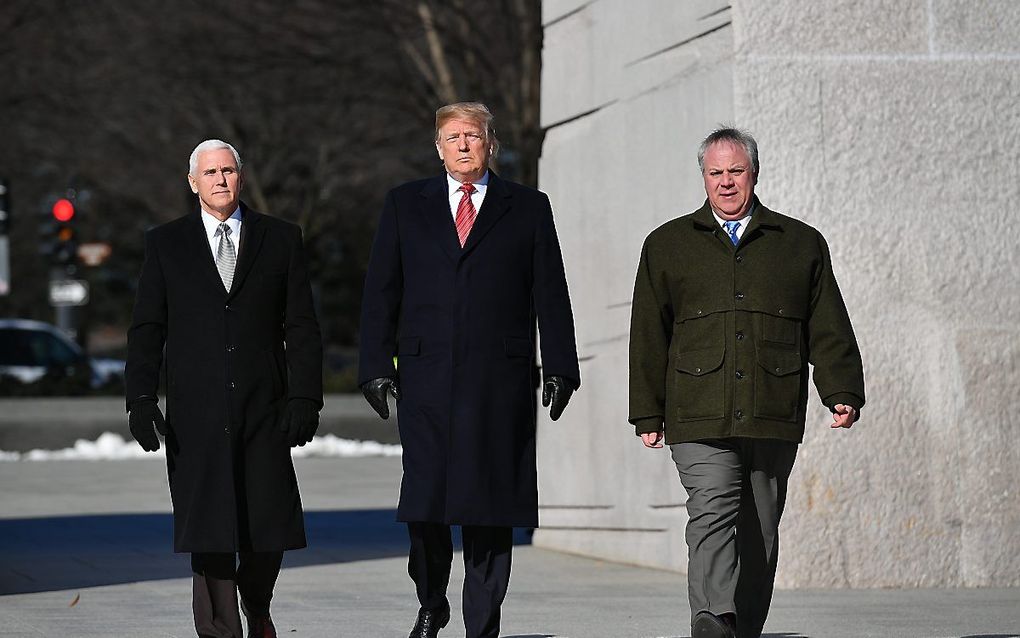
[
  {"x": 232, "y": 361},
  {"x": 460, "y": 322}
]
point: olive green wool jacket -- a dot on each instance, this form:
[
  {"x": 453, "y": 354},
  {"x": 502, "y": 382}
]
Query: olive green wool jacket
[{"x": 721, "y": 336}]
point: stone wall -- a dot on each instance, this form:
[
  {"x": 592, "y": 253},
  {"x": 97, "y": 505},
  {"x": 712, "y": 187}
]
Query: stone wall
[{"x": 891, "y": 126}]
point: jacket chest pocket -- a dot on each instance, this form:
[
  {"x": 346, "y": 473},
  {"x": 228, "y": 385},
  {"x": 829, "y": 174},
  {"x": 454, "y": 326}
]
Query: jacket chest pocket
[
  {"x": 700, "y": 390},
  {"x": 777, "y": 384},
  {"x": 783, "y": 330}
]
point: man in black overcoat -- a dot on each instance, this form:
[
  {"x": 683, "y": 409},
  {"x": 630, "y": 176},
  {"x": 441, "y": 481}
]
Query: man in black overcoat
[
  {"x": 462, "y": 265},
  {"x": 225, "y": 302}
]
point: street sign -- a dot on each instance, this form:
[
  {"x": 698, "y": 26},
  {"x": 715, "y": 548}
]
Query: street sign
[{"x": 69, "y": 292}]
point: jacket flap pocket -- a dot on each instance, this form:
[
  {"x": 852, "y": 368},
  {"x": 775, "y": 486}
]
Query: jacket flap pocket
[
  {"x": 699, "y": 362},
  {"x": 518, "y": 347},
  {"x": 408, "y": 346},
  {"x": 779, "y": 362}
]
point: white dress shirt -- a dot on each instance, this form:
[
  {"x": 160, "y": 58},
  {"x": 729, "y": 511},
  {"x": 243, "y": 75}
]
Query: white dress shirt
[
  {"x": 211, "y": 223},
  {"x": 477, "y": 197}
]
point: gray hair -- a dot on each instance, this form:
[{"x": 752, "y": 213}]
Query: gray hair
[
  {"x": 210, "y": 145},
  {"x": 734, "y": 136}
]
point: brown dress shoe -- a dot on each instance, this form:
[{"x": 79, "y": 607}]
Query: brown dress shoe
[{"x": 261, "y": 627}]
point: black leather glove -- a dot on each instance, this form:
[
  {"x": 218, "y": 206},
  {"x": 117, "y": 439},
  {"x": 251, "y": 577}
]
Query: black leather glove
[
  {"x": 300, "y": 421},
  {"x": 557, "y": 391},
  {"x": 143, "y": 416},
  {"x": 375, "y": 392}
]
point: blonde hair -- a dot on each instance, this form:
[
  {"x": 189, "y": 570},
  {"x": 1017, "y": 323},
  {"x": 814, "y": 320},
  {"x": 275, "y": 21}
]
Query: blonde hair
[{"x": 473, "y": 111}]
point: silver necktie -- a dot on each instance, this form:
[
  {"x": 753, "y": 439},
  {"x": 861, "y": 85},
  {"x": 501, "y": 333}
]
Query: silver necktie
[{"x": 226, "y": 257}]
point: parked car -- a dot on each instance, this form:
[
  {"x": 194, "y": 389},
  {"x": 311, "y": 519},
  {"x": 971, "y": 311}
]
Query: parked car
[{"x": 38, "y": 358}]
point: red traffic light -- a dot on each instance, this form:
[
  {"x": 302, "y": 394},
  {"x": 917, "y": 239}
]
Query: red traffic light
[{"x": 63, "y": 210}]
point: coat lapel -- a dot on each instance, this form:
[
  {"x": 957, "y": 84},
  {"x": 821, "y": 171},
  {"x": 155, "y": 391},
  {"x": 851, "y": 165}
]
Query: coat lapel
[
  {"x": 198, "y": 244},
  {"x": 437, "y": 218},
  {"x": 495, "y": 205},
  {"x": 252, "y": 232}
]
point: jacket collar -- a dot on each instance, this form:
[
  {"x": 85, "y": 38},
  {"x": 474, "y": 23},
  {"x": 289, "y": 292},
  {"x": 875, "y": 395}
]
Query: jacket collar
[
  {"x": 252, "y": 232},
  {"x": 761, "y": 217},
  {"x": 439, "y": 220}
]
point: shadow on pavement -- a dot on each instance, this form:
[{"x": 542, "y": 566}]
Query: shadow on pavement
[{"x": 70, "y": 552}]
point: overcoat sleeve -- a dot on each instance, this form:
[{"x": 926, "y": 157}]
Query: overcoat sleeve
[
  {"x": 301, "y": 328},
  {"x": 552, "y": 302},
  {"x": 380, "y": 303},
  {"x": 651, "y": 324},
  {"x": 839, "y": 372},
  {"x": 147, "y": 333}
]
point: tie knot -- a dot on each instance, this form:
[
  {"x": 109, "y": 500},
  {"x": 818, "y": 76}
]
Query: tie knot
[
  {"x": 467, "y": 188},
  {"x": 223, "y": 229},
  {"x": 731, "y": 227}
]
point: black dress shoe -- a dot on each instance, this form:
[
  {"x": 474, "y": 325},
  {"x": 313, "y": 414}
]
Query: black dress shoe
[
  {"x": 261, "y": 627},
  {"x": 708, "y": 625},
  {"x": 430, "y": 621}
]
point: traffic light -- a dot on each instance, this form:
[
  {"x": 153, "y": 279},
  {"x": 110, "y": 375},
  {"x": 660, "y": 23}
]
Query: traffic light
[
  {"x": 65, "y": 246},
  {"x": 5, "y": 209}
]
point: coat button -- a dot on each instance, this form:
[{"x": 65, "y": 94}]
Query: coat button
[
  {"x": 739, "y": 414},
  {"x": 226, "y": 306},
  {"x": 740, "y": 374},
  {"x": 232, "y": 386},
  {"x": 699, "y": 312},
  {"x": 226, "y": 429},
  {"x": 740, "y": 296},
  {"x": 780, "y": 311},
  {"x": 230, "y": 348},
  {"x": 740, "y": 336},
  {"x": 697, "y": 369},
  {"x": 778, "y": 370},
  {"x": 740, "y": 258}
]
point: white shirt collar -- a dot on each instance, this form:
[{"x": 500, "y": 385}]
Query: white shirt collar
[
  {"x": 211, "y": 223},
  {"x": 453, "y": 186},
  {"x": 743, "y": 221}
]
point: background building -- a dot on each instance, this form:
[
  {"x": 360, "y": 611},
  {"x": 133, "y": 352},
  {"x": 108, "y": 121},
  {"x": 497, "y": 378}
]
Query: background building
[{"x": 891, "y": 126}]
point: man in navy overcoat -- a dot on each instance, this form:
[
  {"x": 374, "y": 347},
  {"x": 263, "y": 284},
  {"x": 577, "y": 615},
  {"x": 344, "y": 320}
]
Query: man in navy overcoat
[{"x": 461, "y": 267}]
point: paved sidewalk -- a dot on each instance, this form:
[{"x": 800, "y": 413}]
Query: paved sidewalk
[{"x": 98, "y": 533}]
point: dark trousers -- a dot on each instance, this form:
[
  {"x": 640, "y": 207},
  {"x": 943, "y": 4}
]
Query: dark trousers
[
  {"x": 736, "y": 490},
  {"x": 217, "y": 579},
  {"x": 487, "y": 552}
]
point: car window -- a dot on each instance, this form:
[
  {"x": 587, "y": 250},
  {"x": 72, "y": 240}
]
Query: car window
[
  {"x": 58, "y": 353},
  {"x": 19, "y": 347},
  {"x": 15, "y": 349}
]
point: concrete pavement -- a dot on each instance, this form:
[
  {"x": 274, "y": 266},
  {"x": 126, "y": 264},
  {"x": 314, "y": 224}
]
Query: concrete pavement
[{"x": 98, "y": 533}]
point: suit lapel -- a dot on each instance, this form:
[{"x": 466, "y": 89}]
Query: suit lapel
[
  {"x": 437, "y": 218},
  {"x": 494, "y": 206},
  {"x": 252, "y": 232},
  {"x": 198, "y": 243}
]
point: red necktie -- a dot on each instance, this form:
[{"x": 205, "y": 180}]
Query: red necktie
[{"x": 465, "y": 213}]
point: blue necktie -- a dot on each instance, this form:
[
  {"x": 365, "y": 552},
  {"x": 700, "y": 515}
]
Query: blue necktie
[{"x": 731, "y": 228}]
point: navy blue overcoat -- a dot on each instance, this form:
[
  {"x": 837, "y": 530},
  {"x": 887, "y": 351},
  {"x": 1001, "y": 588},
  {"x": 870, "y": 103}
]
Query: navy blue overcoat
[{"x": 461, "y": 321}]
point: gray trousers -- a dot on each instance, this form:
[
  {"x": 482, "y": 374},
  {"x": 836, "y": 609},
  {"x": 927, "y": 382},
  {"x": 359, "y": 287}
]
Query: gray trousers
[{"x": 736, "y": 490}]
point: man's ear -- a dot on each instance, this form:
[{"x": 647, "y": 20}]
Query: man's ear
[
  {"x": 439, "y": 149},
  {"x": 193, "y": 184}
]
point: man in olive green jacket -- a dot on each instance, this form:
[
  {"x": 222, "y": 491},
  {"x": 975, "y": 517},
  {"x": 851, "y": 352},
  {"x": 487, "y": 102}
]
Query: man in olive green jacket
[{"x": 731, "y": 304}]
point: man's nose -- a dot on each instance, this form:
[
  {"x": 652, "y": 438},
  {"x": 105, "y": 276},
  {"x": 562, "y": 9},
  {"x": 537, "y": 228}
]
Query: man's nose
[{"x": 223, "y": 178}]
